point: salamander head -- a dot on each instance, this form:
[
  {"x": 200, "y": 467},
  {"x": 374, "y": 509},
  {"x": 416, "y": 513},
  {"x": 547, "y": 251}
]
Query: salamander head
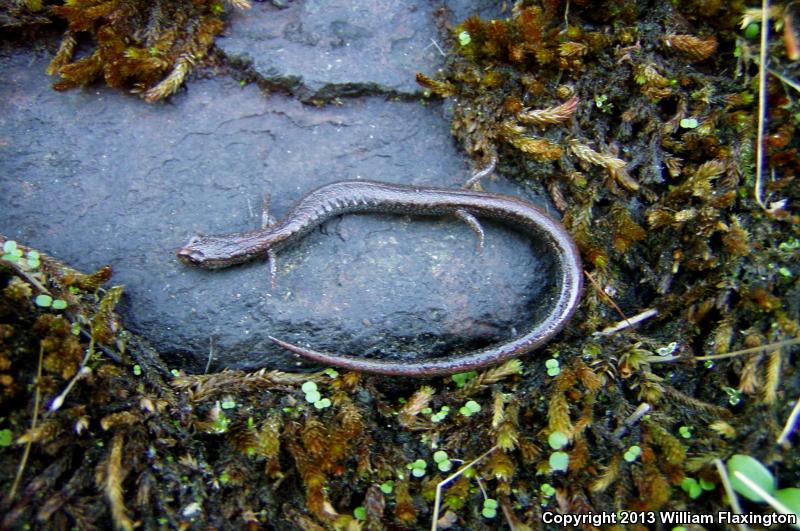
[{"x": 214, "y": 252}]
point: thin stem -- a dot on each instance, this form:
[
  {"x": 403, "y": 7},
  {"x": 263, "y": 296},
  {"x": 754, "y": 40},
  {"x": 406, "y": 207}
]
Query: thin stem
[
  {"x": 82, "y": 371},
  {"x": 211, "y": 347},
  {"x": 762, "y": 102},
  {"x": 792, "y": 83},
  {"x": 627, "y": 323},
  {"x": 762, "y": 348},
  {"x": 726, "y": 484},
  {"x": 36, "y": 397},
  {"x": 790, "y": 423},
  {"x": 445, "y": 481},
  {"x": 605, "y": 295},
  {"x": 634, "y": 417},
  {"x": 775, "y": 504}
]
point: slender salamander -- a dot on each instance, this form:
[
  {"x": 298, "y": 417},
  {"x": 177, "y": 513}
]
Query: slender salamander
[{"x": 345, "y": 197}]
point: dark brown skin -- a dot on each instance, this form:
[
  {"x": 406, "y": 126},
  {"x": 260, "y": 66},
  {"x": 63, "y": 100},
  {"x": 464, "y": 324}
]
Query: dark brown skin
[{"x": 345, "y": 197}]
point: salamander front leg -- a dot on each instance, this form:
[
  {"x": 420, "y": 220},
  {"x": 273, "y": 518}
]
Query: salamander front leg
[{"x": 474, "y": 224}]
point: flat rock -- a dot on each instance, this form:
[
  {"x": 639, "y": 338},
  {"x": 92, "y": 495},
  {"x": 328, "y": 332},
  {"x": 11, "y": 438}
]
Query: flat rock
[
  {"x": 323, "y": 49},
  {"x": 95, "y": 176},
  {"x": 319, "y": 50}
]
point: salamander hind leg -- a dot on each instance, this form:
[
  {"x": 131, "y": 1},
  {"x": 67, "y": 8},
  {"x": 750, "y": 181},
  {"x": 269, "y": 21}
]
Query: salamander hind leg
[
  {"x": 473, "y": 181},
  {"x": 474, "y": 224}
]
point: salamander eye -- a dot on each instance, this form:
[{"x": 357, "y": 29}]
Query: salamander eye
[{"x": 189, "y": 255}]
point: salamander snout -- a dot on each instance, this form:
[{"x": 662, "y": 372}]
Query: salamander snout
[{"x": 188, "y": 255}]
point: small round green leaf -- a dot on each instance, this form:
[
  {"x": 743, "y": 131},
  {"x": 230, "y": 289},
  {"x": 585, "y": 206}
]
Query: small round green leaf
[
  {"x": 559, "y": 461},
  {"x": 309, "y": 387},
  {"x": 44, "y": 300},
  {"x": 557, "y": 440},
  {"x": 470, "y": 408},
  {"x": 360, "y": 513},
  {"x": 691, "y": 487},
  {"x": 419, "y": 463},
  {"x": 667, "y": 349},
  {"x": 462, "y": 378},
  {"x": 313, "y": 396},
  {"x": 59, "y": 304},
  {"x": 707, "y": 485},
  {"x": 752, "y": 31},
  {"x": 632, "y": 454},
  {"x": 5, "y": 437},
  {"x": 790, "y": 498},
  {"x": 439, "y": 455},
  {"x": 387, "y": 487},
  {"x": 689, "y": 123},
  {"x": 755, "y": 472}
]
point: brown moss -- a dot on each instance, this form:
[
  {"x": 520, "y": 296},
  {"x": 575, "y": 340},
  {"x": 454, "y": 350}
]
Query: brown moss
[
  {"x": 146, "y": 46},
  {"x": 673, "y": 450}
]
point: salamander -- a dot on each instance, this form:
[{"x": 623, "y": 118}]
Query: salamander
[{"x": 347, "y": 197}]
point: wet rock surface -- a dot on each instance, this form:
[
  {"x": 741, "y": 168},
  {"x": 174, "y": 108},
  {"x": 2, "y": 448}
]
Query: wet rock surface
[
  {"x": 98, "y": 177},
  {"x": 324, "y": 49}
]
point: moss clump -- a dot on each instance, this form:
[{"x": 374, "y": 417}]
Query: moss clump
[
  {"x": 148, "y": 47},
  {"x": 623, "y": 114}
]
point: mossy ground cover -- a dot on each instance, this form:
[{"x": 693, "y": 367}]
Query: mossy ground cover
[{"x": 638, "y": 120}]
